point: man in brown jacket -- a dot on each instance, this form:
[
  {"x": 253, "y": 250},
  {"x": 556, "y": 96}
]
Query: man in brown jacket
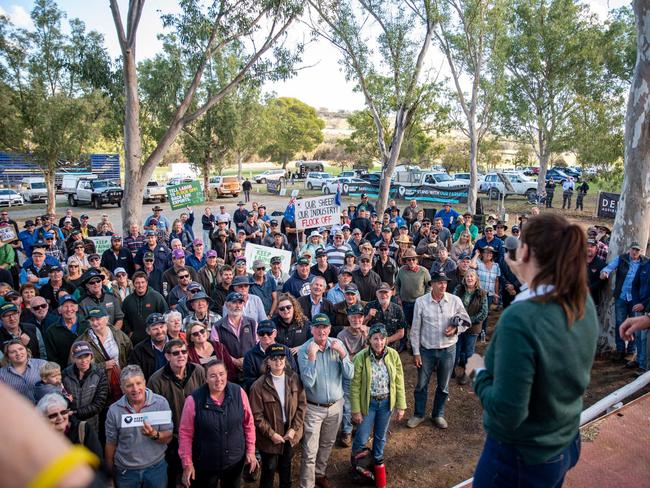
[
  {"x": 278, "y": 403},
  {"x": 176, "y": 381}
]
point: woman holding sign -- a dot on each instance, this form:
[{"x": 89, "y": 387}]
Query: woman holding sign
[{"x": 538, "y": 363}]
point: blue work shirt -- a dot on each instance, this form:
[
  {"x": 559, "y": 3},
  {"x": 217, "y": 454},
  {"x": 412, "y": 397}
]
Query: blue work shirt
[
  {"x": 448, "y": 218},
  {"x": 323, "y": 378},
  {"x": 626, "y": 288}
]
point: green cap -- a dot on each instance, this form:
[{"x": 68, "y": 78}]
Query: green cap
[
  {"x": 320, "y": 320},
  {"x": 97, "y": 312},
  {"x": 355, "y": 309},
  {"x": 378, "y": 328}
]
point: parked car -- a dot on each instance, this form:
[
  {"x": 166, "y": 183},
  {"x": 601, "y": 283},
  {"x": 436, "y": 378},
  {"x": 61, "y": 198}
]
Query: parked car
[
  {"x": 574, "y": 173},
  {"x": 331, "y": 185},
  {"x": 96, "y": 193},
  {"x": 316, "y": 179},
  {"x": 531, "y": 170},
  {"x": 443, "y": 180},
  {"x": 465, "y": 176},
  {"x": 493, "y": 185},
  {"x": 10, "y": 197},
  {"x": 177, "y": 180},
  {"x": 270, "y": 175},
  {"x": 557, "y": 175},
  {"x": 373, "y": 178},
  {"x": 154, "y": 191},
  {"x": 225, "y": 185},
  {"x": 33, "y": 190}
]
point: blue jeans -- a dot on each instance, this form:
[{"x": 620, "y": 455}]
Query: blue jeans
[
  {"x": 346, "y": 424},
  {"x": 152, "y": 477},
  {"x": 442, "y": 362},
  {"x": 408, "y": 308},
  {"x": 376, "y": 422},
  {"x": 501, "y": 466},
  {"x": 622, "y": 310},
  {"x": 465, "y": 347},
  {"x": 641, "y": 340}
]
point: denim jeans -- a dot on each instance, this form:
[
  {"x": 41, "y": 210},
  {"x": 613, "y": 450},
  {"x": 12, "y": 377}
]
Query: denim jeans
[
  {"x": 442, "y": 362},
  {"x": 408, "y": 308},
  {"x": 501, "y": 466},
  {"x": 622, "y": 310},
  {"x": 346, "y": 424},
  {"x": 152, "y": 477},
  {"x": 207, "y": 244},
  {"x": 376, "y": 423},
  {"x": 280, "y": 463},
  {"x": 465, "y": 347}
]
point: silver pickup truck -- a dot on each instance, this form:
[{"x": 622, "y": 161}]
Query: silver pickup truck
[{"x": 96, "y": 193}]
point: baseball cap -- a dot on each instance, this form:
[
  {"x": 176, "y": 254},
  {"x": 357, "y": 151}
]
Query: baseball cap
[
  {"x": 119, "y": 270},
  {"x": 441, "y": 276},
  {"x": 274, "y": 222},
  {"x": 320, "y": 252},
  {"x": 384, "y": 287},
  {"x": 178, "y": 254},
  {"x": 67, "y": 298},
  {"x": 386, "y": 229},
  {"x": 266, "y": 326},
  {"x": 276, "y": 259},
  {"x": 351, "y": 288},
  {"x": 149, "y": 232},
  {"x": 241, "y": 281},
  {"x": 28, "y": 223},
  {"x": 116, "y": 237},
  {"x": 194, "y": 286},
  {"x": 304, "y": 260},
  {"x": 275, "y": 350},
  {"x": 233, "y": 296},
  {"x": 97, "y": 312},
  {"x": 198, "y": 242},
  {"x": 365, "y": 257},
  {"x": 464, "y": 255},
  {"x": 355, "y": 309},
  {"x": 7, "y": 307},
  {"x": 211, "y": 254},
  {"x": 258, "y": 263},
  {"x": 148, "y": 256},
  {"x": 153, "y": 221},
  {"x": 592, "y": 242},
  {"x": 81, "y": 348},
  {"x": 320, "y": 320},
  {"x": 635, "y": 245},
  {"x": 48, "y": 235},
  {"x": 93, "y": 256},
  {"x": 54, "y": 269},
  {"x": 155, "y": 318},
  {"x": 378, "y": 328}
]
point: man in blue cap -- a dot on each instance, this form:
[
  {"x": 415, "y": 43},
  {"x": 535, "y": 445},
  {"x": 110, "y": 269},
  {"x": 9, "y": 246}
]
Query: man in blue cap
[
  {"x": 254, "y": 359},
  {"x": 60, "y": 336},
  {"x": 324, "y": 363}
]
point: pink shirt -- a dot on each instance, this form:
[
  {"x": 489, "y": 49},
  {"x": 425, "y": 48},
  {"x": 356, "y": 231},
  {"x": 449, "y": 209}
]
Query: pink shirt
[{"x": 186, "y": 428}]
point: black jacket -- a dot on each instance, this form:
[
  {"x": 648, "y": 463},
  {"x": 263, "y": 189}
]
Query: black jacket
[
  {"x": 124, "y": 259},
  {"x": 89, "y": 394},
  {"x": 137, "y": 308},
  {"x": 144, "y": 356},
  {"x": 326, "y": 307},
  {"x": 254, "y": 365}
]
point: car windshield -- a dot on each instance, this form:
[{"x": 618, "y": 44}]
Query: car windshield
[
  {"x": 443, "y": 177},
  {"x": 152, "y": 183},
  {"x": 101, "y": 183},
  {"x": 6, "y": 192},
  {"x": 38, "y": 185}
]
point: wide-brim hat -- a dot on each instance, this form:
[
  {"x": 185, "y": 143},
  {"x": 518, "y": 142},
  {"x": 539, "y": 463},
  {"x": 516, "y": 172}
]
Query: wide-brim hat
[
  {"x": 157, "y": 208},
  {"x": 90, "y": 274},
  {"x": 241, "y": 280},
  {"x": 409, "y": 253},
  {"x": 201, "y": 295},
  {"x": 403, "y": 240}
]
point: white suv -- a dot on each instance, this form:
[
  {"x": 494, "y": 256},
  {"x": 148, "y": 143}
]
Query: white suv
[
  {"x": 270, "y": 175},
  {"x": 495, "y": 188},
  {"x": 316, "y": 180}
]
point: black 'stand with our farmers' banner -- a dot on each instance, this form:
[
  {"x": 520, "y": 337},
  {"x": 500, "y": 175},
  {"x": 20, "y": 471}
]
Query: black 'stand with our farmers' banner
[
  {"x": 423, "y": 193},
  {"x": 185, "y": 195}
]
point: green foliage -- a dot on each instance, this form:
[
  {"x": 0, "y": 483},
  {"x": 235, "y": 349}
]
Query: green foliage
[
  {"x": 522, "y": 157},
  {"x": 293, "y": 126},
  {"x": 52, "y": 108}
]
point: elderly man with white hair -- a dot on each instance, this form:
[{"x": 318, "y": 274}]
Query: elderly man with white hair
[{"x": 135, "y": 448}]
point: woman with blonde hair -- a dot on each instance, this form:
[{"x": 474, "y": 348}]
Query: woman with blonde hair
[
  {"x": 174, "y": 321},
  {"x": 291, "y": 323},
  {"x": 462, "y": 245}
]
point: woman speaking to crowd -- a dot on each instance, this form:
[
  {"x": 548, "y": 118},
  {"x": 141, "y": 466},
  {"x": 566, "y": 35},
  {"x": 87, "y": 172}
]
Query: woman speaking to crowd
[{"x": 538, "y": 364}]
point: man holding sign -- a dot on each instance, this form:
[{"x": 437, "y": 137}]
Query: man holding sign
[{"x": 138, "y": 428}]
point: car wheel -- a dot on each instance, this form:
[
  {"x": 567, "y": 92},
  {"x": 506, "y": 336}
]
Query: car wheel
[
  {"x": 262, "y": 181},
  {"x": 494, "y": 193},
  {"x": 310, "y": 186},
  {"x": 163, "y": 199},
  {"x": 531, "y": 195},
  {"x": 119, "y": 203},
  {"x": 72, "y": 201},
  {"x": 235, "y": 195},
  {"x": 97, "y": 204},
  {"x": 326, "y": 191}
]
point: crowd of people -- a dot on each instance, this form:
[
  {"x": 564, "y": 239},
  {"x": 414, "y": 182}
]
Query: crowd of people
[{"x": 175, "y": 360}]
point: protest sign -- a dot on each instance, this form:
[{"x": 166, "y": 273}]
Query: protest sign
[
  {"x": 317, "y": 212},
  {"x": 263, "y": 253},
  {"x": 101, "y": 243},
  {"x": 7, "y": 234},
  {"x": 185, "y": 195},
  {"x": 607, "y": 204}
]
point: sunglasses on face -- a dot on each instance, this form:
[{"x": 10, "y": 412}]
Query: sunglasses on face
[
  {"x": 94, "y": 282},
  {"x": 198, "y": 333},
  {"x": 285, "y": 308},
  {"x": 183, "y": 277},
  {"x": 179, "y": 352},
  {"x": 62, "y": 413},
  {"x": 277, "y": 358},
  {"x": 73, "y": 265},
  {"x": 39, "y": 307},
  {"x": 262, "y": 334},
  {"x": 410, "y": 259},
  {"x": 93, "y": 259},
  {"x": 263, "y": 269}
]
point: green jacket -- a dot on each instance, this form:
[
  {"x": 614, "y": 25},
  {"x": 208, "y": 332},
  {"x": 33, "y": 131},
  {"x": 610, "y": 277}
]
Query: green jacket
[
  {"x": 537, "y": 370},
  {"x": 7, "y": 255},
  {"x": 360, "y": 386}
]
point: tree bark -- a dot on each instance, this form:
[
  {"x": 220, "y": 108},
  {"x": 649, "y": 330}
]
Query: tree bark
[
  {"x": 50, "y": 183},
  {"x": 632, "y": 222},
  {"x": 472, "y": 191},
  {"x": 239, "y": 165},
  {"x": 543, "y": 167},
  {"x": 390, "y": 160},
  {"x": 207, "y": 164}
]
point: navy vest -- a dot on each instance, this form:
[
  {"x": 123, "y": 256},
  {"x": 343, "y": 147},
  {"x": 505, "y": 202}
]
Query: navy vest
[
  {"x": 219, "y": 441},
  {"x": 44, "y": 272}
]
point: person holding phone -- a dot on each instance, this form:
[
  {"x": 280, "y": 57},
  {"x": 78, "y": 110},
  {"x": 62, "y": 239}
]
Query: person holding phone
[{"x": 538, "y": 363}]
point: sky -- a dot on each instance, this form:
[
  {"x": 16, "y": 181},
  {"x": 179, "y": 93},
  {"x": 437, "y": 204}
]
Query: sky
[{"x": 320, "y": 84}]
